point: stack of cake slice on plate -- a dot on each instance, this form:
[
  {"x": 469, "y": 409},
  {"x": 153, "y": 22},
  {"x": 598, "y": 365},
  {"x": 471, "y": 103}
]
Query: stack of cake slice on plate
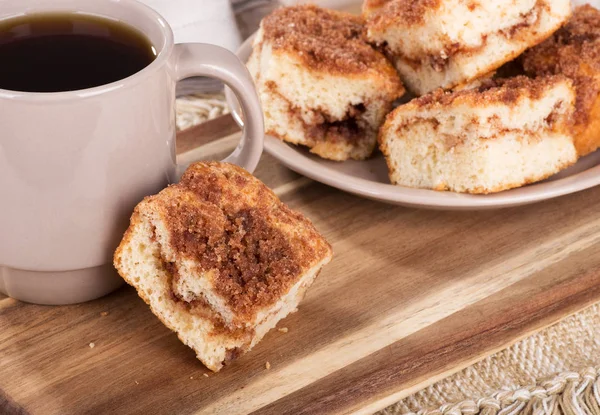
[{"x": 505, "y": 93}]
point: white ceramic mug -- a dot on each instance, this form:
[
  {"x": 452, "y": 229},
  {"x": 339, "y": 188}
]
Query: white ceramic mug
[{"x": 74, "y": 164}]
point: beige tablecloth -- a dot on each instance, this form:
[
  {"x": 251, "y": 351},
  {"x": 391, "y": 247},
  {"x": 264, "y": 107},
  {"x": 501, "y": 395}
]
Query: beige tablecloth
[{"x": 552, "y": 372}]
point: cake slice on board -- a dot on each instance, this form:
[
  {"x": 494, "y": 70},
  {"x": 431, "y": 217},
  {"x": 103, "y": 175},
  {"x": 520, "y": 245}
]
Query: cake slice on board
[{"x": 220, "y": 260}]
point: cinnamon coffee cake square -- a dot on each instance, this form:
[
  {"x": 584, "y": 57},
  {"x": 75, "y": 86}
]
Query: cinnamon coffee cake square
[
  {"x": 321, "y": 84},
  {"x": 444, "y": 43},
  {"x": 502, "y": 134},
  {"x": 220, "y": 259}
]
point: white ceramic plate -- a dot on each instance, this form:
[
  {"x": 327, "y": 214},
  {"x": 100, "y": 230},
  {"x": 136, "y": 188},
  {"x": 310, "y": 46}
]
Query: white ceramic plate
[{"x": 369, "y": 178}]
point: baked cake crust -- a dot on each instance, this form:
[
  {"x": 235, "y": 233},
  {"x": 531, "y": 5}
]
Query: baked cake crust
[
  {"x": 574, "y": 51},
  {"x": 409, "y": 12},
  {"x": 506, "y": 91},
  {"x": 328, "y": 42},
  {"x": 325, "y": 40}
]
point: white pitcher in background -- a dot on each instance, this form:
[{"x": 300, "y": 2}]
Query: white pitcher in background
[{"x": 200, "y": 21}]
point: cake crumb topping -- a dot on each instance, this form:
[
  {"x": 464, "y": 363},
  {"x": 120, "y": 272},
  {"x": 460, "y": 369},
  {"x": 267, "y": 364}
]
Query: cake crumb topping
[
  {"x": 326, "y": 40},
  {"x": 507, "y": 91},
  {"x": 574, "y": 51},
  {"x": 231, "y": 225},
  {"x": 409, "y": 12}
]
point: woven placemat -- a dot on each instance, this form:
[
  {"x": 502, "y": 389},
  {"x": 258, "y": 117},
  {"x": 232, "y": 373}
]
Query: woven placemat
[
  {"x": 199, "y": 108},
  {"x": 552, "y": 372}
]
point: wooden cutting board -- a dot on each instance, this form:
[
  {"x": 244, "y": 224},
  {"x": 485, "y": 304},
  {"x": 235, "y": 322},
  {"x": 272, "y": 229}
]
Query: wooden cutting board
[{"x": 411, "y": 296}]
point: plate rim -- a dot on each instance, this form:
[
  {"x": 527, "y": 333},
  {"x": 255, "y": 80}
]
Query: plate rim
[{"x": 425, "y": 198}]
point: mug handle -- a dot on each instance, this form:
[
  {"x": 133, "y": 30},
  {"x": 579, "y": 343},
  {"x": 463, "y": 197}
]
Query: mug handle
[{"x": 199, "y": 59}]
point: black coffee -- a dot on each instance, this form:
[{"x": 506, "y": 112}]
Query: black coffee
[{"x": 65, "y": 52}]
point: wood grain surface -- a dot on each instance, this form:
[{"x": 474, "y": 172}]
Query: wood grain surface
[{"x": 411, "y": 296}]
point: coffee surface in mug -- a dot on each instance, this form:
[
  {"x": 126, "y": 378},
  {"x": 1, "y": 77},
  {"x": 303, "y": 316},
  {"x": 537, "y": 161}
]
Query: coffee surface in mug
[{"x": 55, "y": 52}]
